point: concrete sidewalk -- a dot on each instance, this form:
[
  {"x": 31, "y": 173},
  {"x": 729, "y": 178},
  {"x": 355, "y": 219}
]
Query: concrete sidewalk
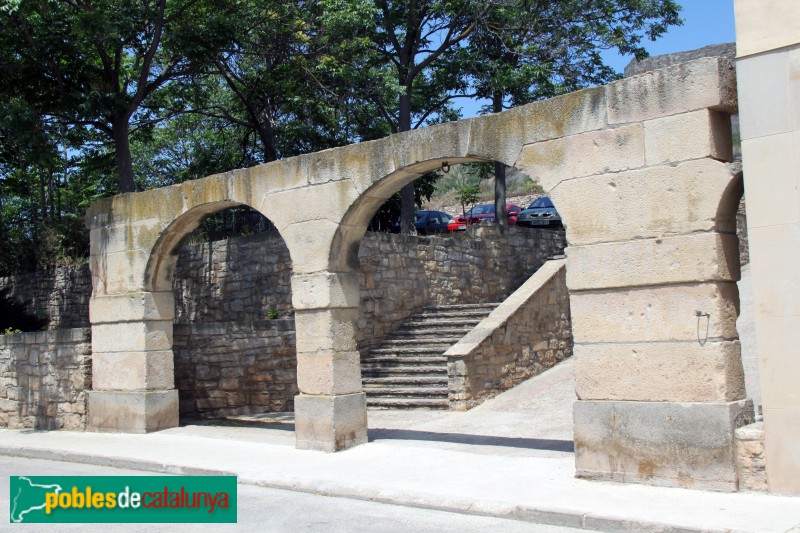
[{"x": 500, "y": 459}]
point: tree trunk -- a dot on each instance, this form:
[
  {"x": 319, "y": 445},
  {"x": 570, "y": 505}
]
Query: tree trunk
[
  {"x": 122, "y": 149},
  {"x": 407, "y": 207},
  {"x": 499, "y": 173}
]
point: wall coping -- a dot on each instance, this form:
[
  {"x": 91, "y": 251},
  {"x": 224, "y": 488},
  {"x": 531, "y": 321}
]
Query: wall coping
[{"x": 506, "y": 310}]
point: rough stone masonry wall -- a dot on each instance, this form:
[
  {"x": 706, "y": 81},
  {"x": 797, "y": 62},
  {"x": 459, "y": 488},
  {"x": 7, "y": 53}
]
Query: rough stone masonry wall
[
  {"x": 61, "y": 294},
  {"x": 525, "y": 336},
  {"x": 44, "y": 377},
  {"x": 233, "y": 368}
]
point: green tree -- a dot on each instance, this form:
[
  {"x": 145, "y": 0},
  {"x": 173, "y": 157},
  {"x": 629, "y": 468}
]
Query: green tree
[
  {"x": 525, "y": 50},
  {"x": 103, "y": 65}
]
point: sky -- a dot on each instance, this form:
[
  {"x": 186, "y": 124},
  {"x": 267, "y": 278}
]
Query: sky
[{"x": 705, "y": 22}]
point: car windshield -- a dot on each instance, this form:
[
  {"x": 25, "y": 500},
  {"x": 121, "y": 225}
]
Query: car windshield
[
  {"x": 544, "y": 201},
  {"x": 481, "y": 210},
  {"x": 418, "y": 217}
]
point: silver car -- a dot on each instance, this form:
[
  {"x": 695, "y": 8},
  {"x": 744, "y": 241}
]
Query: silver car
[{"x": 540, "y": 214}]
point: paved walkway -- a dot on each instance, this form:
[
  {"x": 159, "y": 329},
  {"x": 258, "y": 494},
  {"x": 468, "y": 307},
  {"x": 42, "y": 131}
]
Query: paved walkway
[{"x": 511, "y": 457}]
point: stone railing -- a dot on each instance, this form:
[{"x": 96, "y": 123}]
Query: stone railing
[
  {"x": 527, "y": 334},
  {"x": 44, "y": 377}
]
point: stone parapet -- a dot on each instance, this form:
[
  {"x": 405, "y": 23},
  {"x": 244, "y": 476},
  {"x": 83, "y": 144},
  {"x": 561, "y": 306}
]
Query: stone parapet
[{"x": 527, "y": 334}]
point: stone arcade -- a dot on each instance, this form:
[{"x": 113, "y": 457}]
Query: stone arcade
[{"x": 639, "y": 171}]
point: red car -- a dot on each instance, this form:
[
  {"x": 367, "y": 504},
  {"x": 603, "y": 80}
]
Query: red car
[{"x": 480, "y": 213}]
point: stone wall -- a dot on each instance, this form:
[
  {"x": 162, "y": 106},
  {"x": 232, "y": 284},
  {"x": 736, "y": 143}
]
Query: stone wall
[
  {"x": 61, "y": 293},
  {"x": 234, "y": 368},
  {"x": 635, "y": 67},
  {"x": 44, "y": 377},
  {"x": 529, "y": 333},
  {"x": 750, "y": 460}
]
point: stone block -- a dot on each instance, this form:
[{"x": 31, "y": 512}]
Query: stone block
[
  {"x": 771, "y": 170},
  {"x": 133, "y": 371},
  {"x": 132, "y": 307},
  {"x": 646, "y": 203},
  {"x": 309, "y": 245},
  {"x": 774, "y": 253},
  {"x": 329, "y": 373},
  {"x": 501, "y": 136},
  {"x": 750, "y": 464},
  {"x": 326, "y": 201},
  {"x": 142, "y": 336},
  {"x": 132, "y": 412},
  {"x": 326, "y": 330},
  {"x": 687, "y": 445},
  {"x": 659, "y": 371},
  {"x": 323, "y": 290},
  {"x": 586, "y": 154},
  {"x": 709, "y": 82},
  {"x": 679, "y": 259},
  {"x": 330, "y": 423},
  {"x": 119, "y": 272},
  {"x": 763, "y": 26},
  {"x": 650, "y": 314},
  {"x": 694, "y": 135}
]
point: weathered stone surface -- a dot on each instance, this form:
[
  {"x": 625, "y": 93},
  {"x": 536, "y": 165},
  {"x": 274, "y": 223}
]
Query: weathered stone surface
[
  {"x": 674, "y": 444},
  {"x": 329, "y": 373},
  {"x": 132, "y": 336},
  {"x": 679, "y": 259},
  {"x": 750, "y": 460},
  {"x": 43, "y": 379},
  {"x": 646, "y": 203},
  {"x": 330, "y": 423},
  {"x": 585, "y": 154},
  {"x": 325, "y": 289},
  {"x": 150, "y": 370},
  {"x": 659, "y": 371},
  {"x": 782, "y": 433},
  {"x": 703, "y": 83},
  {"x": 325, "y": 330},
  {"x": 131, "y": 307},
  {"x": 646, "y": 314},
  {"x": 132, "y": 412},
  {"x": 703, "y": 133}
]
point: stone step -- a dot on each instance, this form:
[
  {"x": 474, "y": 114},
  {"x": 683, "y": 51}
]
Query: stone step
[
  {"x": 442, "y": 322},
  {"x": 444, "y": 342},
  {"x": 455, "y": 307},
  {"x": 440, "y": 332},
  {"x": 466, "y": 315},
  {"x": 419, "y": 381},
  {"x": 414, "y": 359},
  {"x": 411, "y": 350},
  {"x": 406, "y": 392},
  {"x": 407, "y": 403},
  {"x": 405, "y": 371}
]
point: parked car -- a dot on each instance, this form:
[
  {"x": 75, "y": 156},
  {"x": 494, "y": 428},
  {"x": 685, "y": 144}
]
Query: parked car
[
  {"x": 427, "y": 222},
  {"x": 540, "y": 214},
  {"x": 482, "y": 213}
]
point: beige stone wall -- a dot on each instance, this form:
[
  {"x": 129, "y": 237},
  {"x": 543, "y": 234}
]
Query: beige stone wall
[
  {"x": 44, "y": 379},
  {"x": 60, "y": 294},
  {"x": 768, "y": 68},
  {"x": 750, "y": 458},
  {"x": 527, "y": 334}
]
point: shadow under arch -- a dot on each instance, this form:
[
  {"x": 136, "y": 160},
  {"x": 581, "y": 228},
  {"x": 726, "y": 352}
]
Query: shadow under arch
[{"x": 160, "y": 268}]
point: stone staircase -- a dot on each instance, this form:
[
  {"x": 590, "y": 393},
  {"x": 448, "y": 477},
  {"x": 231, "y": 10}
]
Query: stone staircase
[{"x": 409, "y": 370}]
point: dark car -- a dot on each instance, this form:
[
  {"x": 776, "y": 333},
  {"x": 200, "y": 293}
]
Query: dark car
[
  {"x": 427, "y": 222},
  {"x": 482, "y": 213},
  {"x": 540, "y": 214}
]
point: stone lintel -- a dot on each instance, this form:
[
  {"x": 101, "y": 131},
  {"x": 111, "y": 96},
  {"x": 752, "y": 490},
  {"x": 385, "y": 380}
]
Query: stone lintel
[{"x": 323, "y": 290}]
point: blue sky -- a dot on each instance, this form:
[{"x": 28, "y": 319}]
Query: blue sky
[{"x": 705, "y": 22}]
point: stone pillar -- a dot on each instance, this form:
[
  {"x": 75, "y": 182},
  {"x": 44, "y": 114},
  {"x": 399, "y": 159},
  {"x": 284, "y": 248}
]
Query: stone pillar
[
  {"x": 331, "y": 409},
  {"x": 132, "y": 363},
  {"x": 768, "y": 71}
]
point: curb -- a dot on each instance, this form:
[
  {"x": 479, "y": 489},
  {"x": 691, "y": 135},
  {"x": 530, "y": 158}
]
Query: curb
[{"x": 496, "y": 509}]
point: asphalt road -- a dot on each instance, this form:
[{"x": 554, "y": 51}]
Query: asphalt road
[{"x": 270, "y": 510}]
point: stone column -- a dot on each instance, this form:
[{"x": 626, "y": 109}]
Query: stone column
[
  {"x": 132, "y": 363},
  {"x": 331, "y": 409}
]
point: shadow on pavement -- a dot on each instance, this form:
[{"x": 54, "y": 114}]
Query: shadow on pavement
[{"x": 480, "y": 440}]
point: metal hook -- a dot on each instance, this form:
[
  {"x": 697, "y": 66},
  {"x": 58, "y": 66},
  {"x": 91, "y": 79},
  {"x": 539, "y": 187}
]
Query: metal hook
[{"x": 699, "y": 314}]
